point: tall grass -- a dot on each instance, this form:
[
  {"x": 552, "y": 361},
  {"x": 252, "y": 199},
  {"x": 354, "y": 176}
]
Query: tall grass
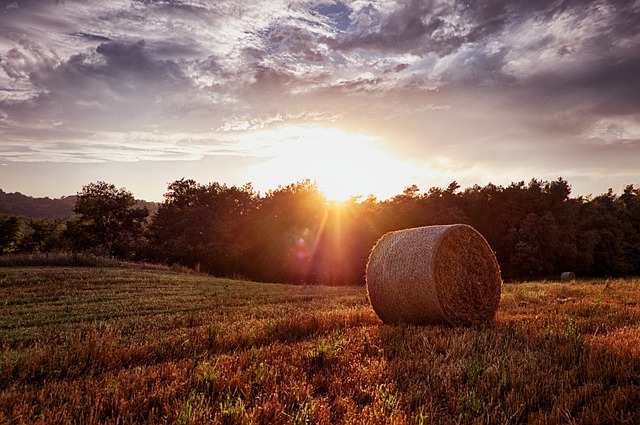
[
  {"x": 57, "y": 260},
  {"x": 132, "y": 345},
  {"x": 63, "y": 259}
]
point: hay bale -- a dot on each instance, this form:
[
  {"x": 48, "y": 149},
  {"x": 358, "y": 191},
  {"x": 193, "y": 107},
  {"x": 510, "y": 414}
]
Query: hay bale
[
  {"x": 568, "y": 276},
  {"x": 434, "y": 275}
]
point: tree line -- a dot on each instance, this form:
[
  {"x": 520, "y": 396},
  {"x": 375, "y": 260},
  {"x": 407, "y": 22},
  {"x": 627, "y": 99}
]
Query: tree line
[{"x": 294, "y": 234}]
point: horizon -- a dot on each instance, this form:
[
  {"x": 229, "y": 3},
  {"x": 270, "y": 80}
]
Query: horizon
[
  {"x": 361, "y": 97},
  {"x": 357, "y": 198}
]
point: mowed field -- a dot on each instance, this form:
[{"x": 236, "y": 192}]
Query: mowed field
[{"x": 148, "y": 345}]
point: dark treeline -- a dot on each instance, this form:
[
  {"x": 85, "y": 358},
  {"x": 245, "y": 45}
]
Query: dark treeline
[{"x": 293, "y": 234}]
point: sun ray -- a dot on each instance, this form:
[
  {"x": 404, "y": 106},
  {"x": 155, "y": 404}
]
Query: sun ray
[{"x": 342, "y": 164}]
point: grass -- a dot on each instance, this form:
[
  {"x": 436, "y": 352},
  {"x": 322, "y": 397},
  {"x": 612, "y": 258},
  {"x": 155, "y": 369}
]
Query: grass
[
  {"x": 143, "y": 345},
  {"x": 56, "y": 259}
]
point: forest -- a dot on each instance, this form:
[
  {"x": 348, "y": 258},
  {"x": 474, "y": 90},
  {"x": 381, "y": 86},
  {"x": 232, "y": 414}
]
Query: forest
[{"x": 293, "y": 234}]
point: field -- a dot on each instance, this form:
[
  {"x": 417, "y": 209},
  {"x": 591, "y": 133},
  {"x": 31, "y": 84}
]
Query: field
[{"x": 149, "y": 345}]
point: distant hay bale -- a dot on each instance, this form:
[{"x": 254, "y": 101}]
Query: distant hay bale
[
  {"x": 568, "y": 276},
  {"x": 434, "y": 275}
]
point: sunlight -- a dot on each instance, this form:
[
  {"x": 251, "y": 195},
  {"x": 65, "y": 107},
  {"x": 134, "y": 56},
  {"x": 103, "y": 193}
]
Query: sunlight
[{"x": 343, "y": 164}]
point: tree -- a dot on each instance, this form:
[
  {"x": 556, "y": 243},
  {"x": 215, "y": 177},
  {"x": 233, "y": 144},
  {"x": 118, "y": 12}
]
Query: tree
[
  {"x": 10, "y": 233},
  {"x": 106, "y": 221},
  {"x": 43, "y": 236},
  {"x": 605, "y": 239},
  {"x": 630, "y": 205},
  {"x": 287, "y": 228},
  {"x": 444, "y": 206},
  {"x": 203, "y": 226},
  {"x": 292, "y": 234},
  {"x": 537, "y": 245}
]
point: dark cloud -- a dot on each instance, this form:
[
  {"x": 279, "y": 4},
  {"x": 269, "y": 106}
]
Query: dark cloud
[
  {"x": 125, "y": 69},
  {"x": 91, "y": 37},
  {"x": 295, "y": 41},
  {"x": 628, "y": 17},
  {"x": 569, "y": 84},
  {"x": 131, "y": 60},
  {"x": 161, "y": 2},
  {"x": 479, "y": 67},
  {"x": 171, "y": 49},
  {"x": 421, "y": 27},
  {"x": 112, "y": 86},
  {"x": 21, "y": 4},
  {"x": 608, "y": 85},
  {"x": 338, "y": 12},
  {"x": 172, "y": 6},
  {"x": 211, "y": 66},
  {"x": 267, "y": 82},
  {"x": 398, "y": 68},
  {"x": 403, "y": 30}
]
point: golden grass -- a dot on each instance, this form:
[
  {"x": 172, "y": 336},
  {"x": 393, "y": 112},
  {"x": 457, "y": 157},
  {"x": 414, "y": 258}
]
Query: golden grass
[{"x": 82, "y": 345}]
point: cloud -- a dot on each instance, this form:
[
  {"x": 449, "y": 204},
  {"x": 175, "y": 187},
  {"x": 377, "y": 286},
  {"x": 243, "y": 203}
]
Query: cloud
[
  {"x": 91, "y": 37},
  {"x": 264, "y": 121},
  {"x": 421, "y": 27},
  {"x": 130, "y": 60},
  {"x": 118, "y": 84},
  {"x": 519, "y": 81},
  {"x": 64, "y": 146}
]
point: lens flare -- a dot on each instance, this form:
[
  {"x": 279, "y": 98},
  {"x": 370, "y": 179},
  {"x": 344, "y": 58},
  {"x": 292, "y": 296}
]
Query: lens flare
[{"x": 342, "y": 164}]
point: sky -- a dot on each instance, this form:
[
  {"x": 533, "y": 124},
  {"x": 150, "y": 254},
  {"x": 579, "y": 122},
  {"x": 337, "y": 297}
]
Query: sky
[{"x": 363, "y": 97}]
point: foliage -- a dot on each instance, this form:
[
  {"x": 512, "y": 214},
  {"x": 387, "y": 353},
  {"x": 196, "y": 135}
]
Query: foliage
[
  {"x": 10, "y": 233},
  {"x": 43, "y": 236},
  {"x": 132, "y": 345},
  {"x": 202, "y": 226},
  {"x": 106, "y": 221},
  {"x": 287, "y": 226},
  {"x": 293, "y": 234}
]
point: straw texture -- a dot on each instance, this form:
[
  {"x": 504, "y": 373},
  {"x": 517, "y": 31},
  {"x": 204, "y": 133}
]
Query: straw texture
[
  {"x": 568, "y": 276},
  {"x": 434, "y": 275}
]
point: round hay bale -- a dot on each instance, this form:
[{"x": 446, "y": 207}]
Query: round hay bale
[
  {"x": 568, "y": 276},
  {"x": 434, "y": 275}
]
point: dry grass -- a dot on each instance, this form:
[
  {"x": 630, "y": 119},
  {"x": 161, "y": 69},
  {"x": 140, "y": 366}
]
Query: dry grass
[{"x": 116, "y": 345}]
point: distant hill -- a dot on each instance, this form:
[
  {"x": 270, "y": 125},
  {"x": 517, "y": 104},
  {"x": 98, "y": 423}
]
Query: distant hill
[
  {"x": 27, "y": 206},
  {"x": 30, "y": 207}
]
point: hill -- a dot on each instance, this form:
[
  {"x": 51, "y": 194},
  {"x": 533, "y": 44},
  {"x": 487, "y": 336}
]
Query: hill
[
  {"x": 30, "y": 207},
  {"x": 38, "y": 208}
]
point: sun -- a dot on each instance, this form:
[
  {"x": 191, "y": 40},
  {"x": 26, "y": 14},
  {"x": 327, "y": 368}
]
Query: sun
[{"x": 343, "y": 164}]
